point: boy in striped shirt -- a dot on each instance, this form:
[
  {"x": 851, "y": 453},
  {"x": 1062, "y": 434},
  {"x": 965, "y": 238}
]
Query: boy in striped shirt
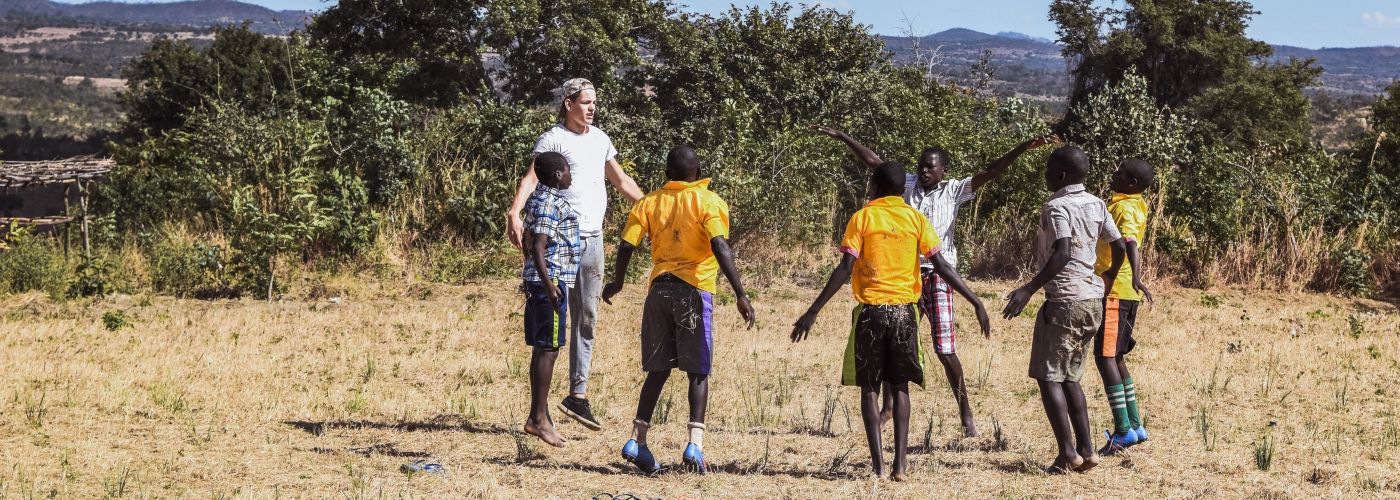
[{"x": 551, "y": 267}]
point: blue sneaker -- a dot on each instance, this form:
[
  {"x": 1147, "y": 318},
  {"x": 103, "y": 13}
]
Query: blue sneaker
[
  {"x": 694, "y": 459},
  {"x": 641, "y": 457},
  {"x": 1141, "y": 433},
  {"x": 1118, "y": 442}
]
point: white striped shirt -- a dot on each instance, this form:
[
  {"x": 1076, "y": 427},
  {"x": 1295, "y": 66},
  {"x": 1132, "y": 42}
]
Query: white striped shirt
[{"x": 940, "y": 205}]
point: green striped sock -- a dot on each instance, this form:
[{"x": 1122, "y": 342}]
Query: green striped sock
[
  {"x": 1130, "y": 397},
  {"x": 1120, "y": 408}
]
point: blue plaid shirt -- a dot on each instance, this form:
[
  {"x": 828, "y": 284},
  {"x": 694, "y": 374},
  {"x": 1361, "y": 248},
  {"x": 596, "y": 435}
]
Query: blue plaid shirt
[{"x": 548, "y": 213}]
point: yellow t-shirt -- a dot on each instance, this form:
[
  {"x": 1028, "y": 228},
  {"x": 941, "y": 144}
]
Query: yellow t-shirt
[
  {"x": 680, "y": 219},
  {"x": 1129, "y": 212},
  {"x": 886, "y": 238}
]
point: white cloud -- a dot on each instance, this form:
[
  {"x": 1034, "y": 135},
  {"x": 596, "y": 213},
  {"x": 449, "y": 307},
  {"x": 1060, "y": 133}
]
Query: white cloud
[{"x": 1380, "y": 19}]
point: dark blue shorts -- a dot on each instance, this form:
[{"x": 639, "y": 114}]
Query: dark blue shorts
[{"x": 545, "y": 327}]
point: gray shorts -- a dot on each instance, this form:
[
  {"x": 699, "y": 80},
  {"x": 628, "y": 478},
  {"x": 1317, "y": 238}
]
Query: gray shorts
[
  {"x": 677, "y": 327},
  {"x": 1062, "y": 332}
]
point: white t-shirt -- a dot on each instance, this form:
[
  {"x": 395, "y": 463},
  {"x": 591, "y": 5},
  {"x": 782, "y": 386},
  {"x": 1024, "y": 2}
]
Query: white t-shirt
[
  {"x": 588, "y": 154},
  {"x": 940, "y": 205}
]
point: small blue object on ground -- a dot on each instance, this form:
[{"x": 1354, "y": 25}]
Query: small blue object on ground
[{"x": 422, "y": 466}]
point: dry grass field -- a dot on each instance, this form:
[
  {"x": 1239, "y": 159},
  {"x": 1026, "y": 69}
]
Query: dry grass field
[{"x": 156, "y": 397}]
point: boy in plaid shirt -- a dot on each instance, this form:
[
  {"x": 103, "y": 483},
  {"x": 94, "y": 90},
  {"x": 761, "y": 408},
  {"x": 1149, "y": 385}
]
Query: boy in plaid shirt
[{"x": 551, "y": 267}]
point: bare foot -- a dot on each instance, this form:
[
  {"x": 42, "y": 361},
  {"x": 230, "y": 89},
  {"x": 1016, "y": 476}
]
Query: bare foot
[
  {"x": 886, "y": 415},
  {"x": 545, "y": 432},
  {"x": 969, "y": 428},
  {"x": 899, "y": 477},
  {"x": 1090, "y": 461},
  {"x": 1063, "y": 465}
]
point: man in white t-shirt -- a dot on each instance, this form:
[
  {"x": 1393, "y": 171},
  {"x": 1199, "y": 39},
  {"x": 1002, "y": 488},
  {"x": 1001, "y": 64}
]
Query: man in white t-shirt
[
  {"x": 593, "y": 164},
  {"x": 938, "y": 199}
]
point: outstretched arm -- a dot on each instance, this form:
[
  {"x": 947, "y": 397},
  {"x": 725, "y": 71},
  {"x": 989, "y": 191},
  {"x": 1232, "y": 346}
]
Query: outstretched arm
[
  {"x": 624, "y": 256},
  {"x": 955, "y": 280},
  {"x": 1059, "y": 257},
  {"x": 866, "y": 156},
  {"x": 1001, "y": 165},
  {"x": 725, "y": 256},
  {"x": 623, "y": 182},
  {"x": 838, "y": 279}
]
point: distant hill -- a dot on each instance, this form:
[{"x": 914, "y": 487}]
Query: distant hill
[
  {"x": 1033, "y": 67},
  {"x": 193, "y": 13}
]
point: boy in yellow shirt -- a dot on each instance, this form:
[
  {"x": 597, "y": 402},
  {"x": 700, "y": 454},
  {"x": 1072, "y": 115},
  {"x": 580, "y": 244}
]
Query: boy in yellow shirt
[
  {"x": 1115, "y": 337},
  {"x": 688, "y": 226},
  {"x": 881, "y": 250}
]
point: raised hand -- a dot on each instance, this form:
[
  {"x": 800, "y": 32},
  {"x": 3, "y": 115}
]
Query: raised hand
[{"x": 828, "y": 131}]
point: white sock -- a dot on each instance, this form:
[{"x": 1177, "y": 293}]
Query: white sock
[
  {"x": 639, "y": 431},
  {"x": 697, "y": 434}
]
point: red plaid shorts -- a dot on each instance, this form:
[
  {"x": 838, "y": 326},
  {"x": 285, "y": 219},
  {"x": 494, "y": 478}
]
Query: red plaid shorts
[{"x": 937, "y": 305}]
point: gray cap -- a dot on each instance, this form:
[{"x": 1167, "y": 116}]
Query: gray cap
[{"x": 574, "y": 86}]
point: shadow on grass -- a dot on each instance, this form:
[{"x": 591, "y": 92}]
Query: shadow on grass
[
  {"x": 613, "y": 469},
  {"x": 385, "y": 449},
  {"x": 440, "y": 423}
]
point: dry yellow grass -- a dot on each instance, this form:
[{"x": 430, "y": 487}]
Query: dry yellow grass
[{"x": 315, "y": 399}]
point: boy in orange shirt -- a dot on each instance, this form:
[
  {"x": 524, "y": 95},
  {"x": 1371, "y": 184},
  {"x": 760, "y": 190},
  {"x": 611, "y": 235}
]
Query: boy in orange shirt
[
  {"x": 881, "y": 251},
  {"x": 688, "y": 226}
]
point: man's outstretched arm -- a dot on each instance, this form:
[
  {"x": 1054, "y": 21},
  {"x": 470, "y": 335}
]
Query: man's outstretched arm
[
  {"x": 864, "y": 154},
  {"x": 514, "y": 226},
  {"x": 725, "y": 256},
  {"x": 1001, "y": 165},
  {"x": 623, "y": 182}
]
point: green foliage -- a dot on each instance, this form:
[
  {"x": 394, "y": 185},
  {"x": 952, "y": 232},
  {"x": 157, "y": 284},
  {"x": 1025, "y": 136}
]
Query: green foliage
[
  {"x": 31, "y": 262},
  {"x": 115, "y": 320},
  {"x": 1196, "y": 58},
  {"x": 174, "y": 79},
  {"x": 1124, "y": 121},
  {"x": 92, "y": 278},
  {"x": 182, "y": 266}
]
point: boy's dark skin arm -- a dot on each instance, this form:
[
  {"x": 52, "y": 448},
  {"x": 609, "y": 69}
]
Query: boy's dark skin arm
[
  {"x": 955, "y": 281},
  {"x": 723, "y": 254},
  {"x": 541, "y": 243},
  {"x": 1117, "y": 250},
  {"x": 720, "y": 247},
  {"x": 1136, "y": 261},
  {"x": 1059, "y": 257},
  {"x": 838, "y": 279},
  {"x": 624, "y": 256},
  {"x": 1001, "y": 165}
]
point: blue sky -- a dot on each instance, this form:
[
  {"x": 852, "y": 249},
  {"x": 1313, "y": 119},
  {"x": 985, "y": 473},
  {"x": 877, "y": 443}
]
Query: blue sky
[{"x": 1304, "y": 23}]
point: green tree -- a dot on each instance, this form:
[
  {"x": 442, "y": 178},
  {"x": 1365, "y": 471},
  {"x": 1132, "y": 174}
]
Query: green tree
[
  {"x": 1195, "y": 56},
  {"x": 173, "y": 79},
  {"x": 423, "y": 51}
]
